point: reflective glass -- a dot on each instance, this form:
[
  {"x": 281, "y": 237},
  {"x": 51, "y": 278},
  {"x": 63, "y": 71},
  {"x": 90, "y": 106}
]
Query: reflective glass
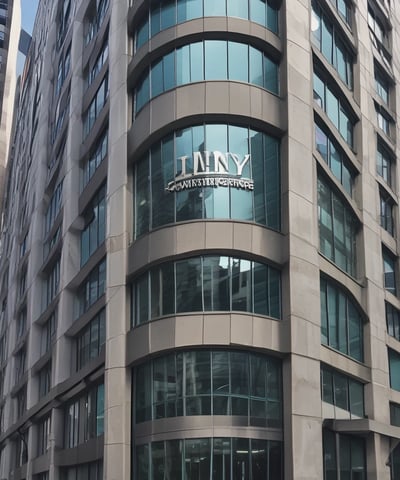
[
  {"x": 221, "y": 459},
  {"x": 216, "y": 59},
  {"x": 238, "y": 8},
  {"x": 214, "y": 8}
]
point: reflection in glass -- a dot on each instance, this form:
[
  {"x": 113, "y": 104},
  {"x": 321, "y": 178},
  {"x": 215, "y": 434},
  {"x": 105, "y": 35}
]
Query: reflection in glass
[{"x": 210, "y": 383}]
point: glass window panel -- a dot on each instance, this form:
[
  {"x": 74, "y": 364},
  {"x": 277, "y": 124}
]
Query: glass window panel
[
  {"x": 327, "y": 40},
  {"x": 197, "y": 62},
  {"x": 169, "y": 71},
  {"x": 332, "y": 108},
  {"x": 221, "y": 462},
  {"x": 272, "y": 18},
  {"x": 168, "y": 13},
  {"x": 238, "y": 60},
  {"x": 327, "y": 386},
  {"x": 329, "y": 450},
  {"x": 356, "y": 398},
  {"x": 240, "y": 458},
  {"x": 173, "y": 459},
  {"x": 341, "y": 391},
  {"x": 188, "y": 286},
  {"x": 155, "y": 17},
  {"x": 183, "y": 65},
  {"x": 197, "y": 458},
  {"x": 142, "y": 300},
  {"x": 238, "y": 8},
  {"x": 271, "y": 80},
  {"x": 394, "y": 368},
  {"x": 275, "y": 460},
  {"x": 241, "y": 285},
  {"x": 216, "y": 59},
  {"x": 216, "y": 283},
  {"x": 259, "y": 459},
  {"x": 319, "y": 91},
  {"x": 156, "y": 74},
  {"x": 256, "y": 66},
  {"x": 167, "y": 288},
  {"x": 142, "y": 34},
  {"x": 261, "y": 299},
  {"x": 189, "y": 9},
  {"x": 258, "y": 11},
  {"x": 158, "y": 460},
  {"x": 213, "y": 8}
]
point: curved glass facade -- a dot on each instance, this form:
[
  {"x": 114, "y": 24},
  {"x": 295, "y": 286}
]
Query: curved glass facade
[
  {"x": 210, "y": 383},
  {"x": 208, "y": 171},
  {"x": 206, "y": 284},
  {"x": 207, "y": 60},
  {"x": 210, "y": 458},
  {"x": 165, "y": 14}
]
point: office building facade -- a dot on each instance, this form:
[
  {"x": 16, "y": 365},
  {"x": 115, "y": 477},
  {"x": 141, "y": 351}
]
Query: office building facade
[{"x": 199, "y": 253}]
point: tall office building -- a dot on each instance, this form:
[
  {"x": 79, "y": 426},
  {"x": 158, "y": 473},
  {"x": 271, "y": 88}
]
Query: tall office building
[
  {"x": 199, "y": 253},
  {"x": 10, "y": 25}
]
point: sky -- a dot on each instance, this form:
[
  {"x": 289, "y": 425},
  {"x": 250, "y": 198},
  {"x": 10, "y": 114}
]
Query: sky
[{"x": 28, "y": 12}]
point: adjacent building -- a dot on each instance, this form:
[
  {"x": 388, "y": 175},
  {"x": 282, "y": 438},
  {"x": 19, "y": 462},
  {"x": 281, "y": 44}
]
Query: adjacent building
[{"x": 199, "y": 270}]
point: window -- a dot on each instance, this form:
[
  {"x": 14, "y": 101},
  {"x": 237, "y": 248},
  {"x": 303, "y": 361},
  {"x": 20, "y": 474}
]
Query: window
[
  {"x": 48, "y": 334},
  {"x": 337, "y": 229},
  {"x": 384, "y": 163},
  {"x": 61, "y": 113},
  {"x": 87, "y": 471},
  {"x": 328, "y": 40},
  {"x": 207, "y": 60},
  {"x": 392, "y": 321},
  {"x": 342, "y": 391},
  {"x": 389, "y": 270},
  {"x": 337, "y": 112},
  {"x": 344, "y": 9},
  {"x": 93, "y": 288},
  {"x": 335, "y": 158},
  {"x": 382, "y": 85},
  {"x": 93, "y": 235},
  {"x": 394, "y": 414},
  {"x": 377, "y": 28},
  {"x": 22, "y": 246},
  {"x": 84, "y": 418},
  {"x": 395, "y": 463},
  {"x": 21, "y": 324},
  {"x": 386, "y": 212},
  {"x": 63, "y": 21},
  {"x": 95, "y": 107},
  {"x": 100, "y": 61},
  {"x": 186, "y": 176},
  {"x": 53, "y": 208},
  {"x": 163, "y": 15},
  {"x": 344, "y": 456},
  {"x": 95, "y": 22},
  {"x": 202, "y": 284},
  {"x": 43, "y": 430},
  {"x": 22, "y": 284},
  {"x": 20, "y": 400},
  {"x": 394, "y": 369},
  {"x": 20, "y": 364},
  {"x": 210, "y": 383},
  {"x": 52, "y": 284},
  {"x": 202, "y": 458},
  {"x": 91, "y": 339},
  {"x": 97, "y": 155},
  {"x": 63, "y": 69},
  {"x": 384, "y": 122},
  {"x": 341, "y": 324},
  {"x": 21, "y": 449},
  {"x": 51, "y": 242},
  {"x": 44, "y": 377}
]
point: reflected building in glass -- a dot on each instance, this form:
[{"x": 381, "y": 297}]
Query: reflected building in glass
[{"x": 199, "y": 266}]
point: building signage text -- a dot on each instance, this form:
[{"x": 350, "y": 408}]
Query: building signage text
[{"x": 211, "y": 169}]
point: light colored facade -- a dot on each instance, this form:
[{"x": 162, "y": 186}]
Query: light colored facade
[{"x": 199, "y": 270}]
